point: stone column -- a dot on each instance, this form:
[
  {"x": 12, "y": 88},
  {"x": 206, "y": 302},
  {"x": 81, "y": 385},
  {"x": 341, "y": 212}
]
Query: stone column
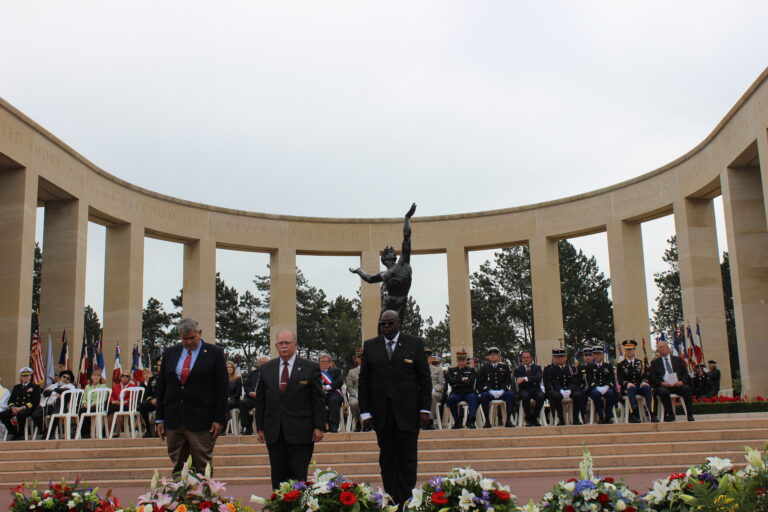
[
  {"x": 745, "y": 222},
  {"x": 199, "y": 292},
  {"x": 18, "y": 207},
  {"x": 459, "y": 301},
  {"x": 628, "y": 293},
  {"x": 282, "y": 293},
  {"x": 700, "y": 279},
  {"x": 62, "y": 284},
  {"x": 762, "y": 149},
  {"x": 370, "y": 295},
  {"x": 547, "y": 298},
  {"x": 123, "y": 287}
]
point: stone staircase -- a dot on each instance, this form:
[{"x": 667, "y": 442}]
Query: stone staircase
[{"x": 498, "y": 452}]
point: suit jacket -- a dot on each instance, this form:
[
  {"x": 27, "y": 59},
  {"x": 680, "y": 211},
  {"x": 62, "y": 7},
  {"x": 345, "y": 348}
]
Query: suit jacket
[
  {"x": 299, "y": 411},
  {"x": 405, "y": 379},
  {"x": 634, "y": 373},
  {"x": 533, "y": 384},
  {"x": 252, "y": 382},
  {"x": 337, "y": 379},
  {"x": 556, "y": 378},
  {"x": 202, "y": 400},
  {"x": 657, "y": 371}
]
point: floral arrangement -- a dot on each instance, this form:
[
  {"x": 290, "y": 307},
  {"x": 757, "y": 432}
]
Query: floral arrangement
[
  {"x": 327, "y": 491},
  {"x": 590, "y": 493},
  {"x": 728, "y": 399},
  {"x": 62, "y": 498},
  {"x": 683, "y": 492},
  {"x": 190, "y": 492},
  {"x": 462, "y": 489}
]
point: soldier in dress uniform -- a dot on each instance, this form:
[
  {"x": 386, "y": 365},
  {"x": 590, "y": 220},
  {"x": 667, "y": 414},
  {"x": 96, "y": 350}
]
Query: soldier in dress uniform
[
  {"x": 351, "y": 381},
  {"x": 24, "y": 400},
  {"x": 712, "y": 377},
  {"x": 462, "y": 379},
  {"x": 438, "y": 382},
  {"x": 601, "y": 382},
  {"x": 561, "y": 380},
  {"x": 149, "y": 403},
  {"x": 494, "y": 382},
  {"x": 632, "y": 374}
]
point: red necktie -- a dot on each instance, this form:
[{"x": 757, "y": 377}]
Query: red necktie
[
  {"x": 186, "y": 368},
  {"x": 284, "y": 379}
]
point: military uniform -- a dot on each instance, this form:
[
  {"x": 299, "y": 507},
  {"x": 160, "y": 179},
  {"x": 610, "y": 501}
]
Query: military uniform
[
  {"x": 147, "y": 406},
  {"x": 634, "y": 372},
  {"x": 26, "y": 396},
  {"x": 711, "y": 382},
  {"x": 463, "y": 382},
  {"x": 351, "y": 381},
  {"x": 562, "y": 381},
  {"x": 601, "y": 382},
  {"x": 494, "y": 382},
  {"x": 438, "y": 387}
]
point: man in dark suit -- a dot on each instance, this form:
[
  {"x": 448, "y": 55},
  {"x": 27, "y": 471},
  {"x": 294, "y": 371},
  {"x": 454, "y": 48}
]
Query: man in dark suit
[
  {"x": 333, "y": 379},
  {"x": 528, "y": 379},
  {"x": 668, "y": 375},
  {"x": 711, "y": 380},
  {"x": 191, "y": 397},
  {"x": 395, "y": 396},
  {"x": 290, "y": 410},
  {"x": 248, "y": 403}
]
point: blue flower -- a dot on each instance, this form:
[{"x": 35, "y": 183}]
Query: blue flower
[{"x": 584, "y": 484}]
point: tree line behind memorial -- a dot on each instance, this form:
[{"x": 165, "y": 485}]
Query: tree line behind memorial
[{"x": 502, "y": 311}]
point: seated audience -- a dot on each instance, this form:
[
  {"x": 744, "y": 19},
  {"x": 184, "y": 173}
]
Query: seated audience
[
  {"x": 333, "y": 379},
  {"x": 50, "y": 400},
  {"x": 668, "y": 376},
  {"x": 22, "y": 403},
  {"x": 632, "y": 375},
  {"x": 601, "y": 383},
  {"x": 494, "y": 382},
  {"x": 149, "y": 401},
  {"x": 114, "y": 400},
  {"x": 248, "y": 403},
  {"x": 528, "y": 378},
  {"x": 351, "y": 381},
  {"x": 561, "y": 381},
  {"x": 463, "y": 381},
  {"x": 95, "y": 382}
]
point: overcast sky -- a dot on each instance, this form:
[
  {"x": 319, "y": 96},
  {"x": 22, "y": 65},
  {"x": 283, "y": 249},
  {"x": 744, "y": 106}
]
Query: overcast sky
[{"x": 357, "y": 109}]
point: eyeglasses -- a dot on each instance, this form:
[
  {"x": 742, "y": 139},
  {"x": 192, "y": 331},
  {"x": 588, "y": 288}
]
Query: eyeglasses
[{"x": 387, "y": 323}]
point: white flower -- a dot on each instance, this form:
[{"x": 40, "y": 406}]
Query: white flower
[
  {"x": 530, "y": 507},
  {"x": 321, "y": 488},
  {"x": 718, "y": 465},
  {"x": 486, "y": 484},
  {"x": 594, "y": 507},
  {"x": 609, "y": 486},
  {"x": 589, "y": 494},
  {"x": 416, "y": 498},
  {"x": 503, "y": 488},
  {"x": 585, "y": 466},
  {"x": 569, "y": 486},
  {"x": 658, "y": 492},
  {"x": 466, "y": 500},
  {"x": 312, "y": 504},
  {"x": 621, "y": 505},
  {"x": 256, "y": 499},
  {"x": 754, "y": 459},
  {"x": 71, "y": 503},
  {"x": 155, "y": 478},
  {"x": 548, "y": 496}
]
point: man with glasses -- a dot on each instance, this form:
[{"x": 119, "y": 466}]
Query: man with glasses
[
  {"x": 395, "y": 399},
  {"x": 49, "y": 403},
  {"x": 669, "y": 376},
  {"x": 23, "y": 402}
]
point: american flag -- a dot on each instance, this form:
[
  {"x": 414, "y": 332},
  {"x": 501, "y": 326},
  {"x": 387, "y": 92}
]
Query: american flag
[{"x": 36, "y": 357}]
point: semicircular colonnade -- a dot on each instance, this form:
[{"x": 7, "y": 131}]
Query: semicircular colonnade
[{"x": 38, "y": 169}]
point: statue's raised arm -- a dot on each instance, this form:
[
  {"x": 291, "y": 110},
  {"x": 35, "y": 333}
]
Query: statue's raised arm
[{"x": 405, "y": 254}]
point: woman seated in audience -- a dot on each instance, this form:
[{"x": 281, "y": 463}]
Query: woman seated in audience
[
  {"x": 96, "y": 382},
  {"x": 235, "y": 389}
]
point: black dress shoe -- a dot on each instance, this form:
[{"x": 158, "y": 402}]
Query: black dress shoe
[
  {"x": 509, "y": 424},
  {"x": 654, "y": 418},
  {"x": 471, "y": 424},
  {"x": 456, "y": 426},
  {"x": 247, "y": 431},
  {"x": 609, "y": 421},
  {"x": 668, "y": 418},
  {"x": 535, "y": 423},
  {"x": 487, "y": 424},
  {"x": 633, "y": 419},
  {"x": 577, "y": 421},
  {"x": 690, "y": 417}
]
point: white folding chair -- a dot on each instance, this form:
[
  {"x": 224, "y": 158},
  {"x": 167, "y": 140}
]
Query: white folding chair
[
  {"x": 233, "y": 424},
  {"x": 30, "y": 430},
  {"x": 69, "y": 407},
  {"x": 96, "y": 408},
  {"x": 129, "y": 403},
  {"x": 494, "y": 408},
  {"x": 542, "y": 415},
  {"x": 676, "y": 399},
  {"x": 627, "y": 408}
]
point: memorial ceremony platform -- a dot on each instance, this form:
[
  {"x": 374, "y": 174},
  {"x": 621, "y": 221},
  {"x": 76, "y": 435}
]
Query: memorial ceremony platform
[{"x": 545, "y": 453}]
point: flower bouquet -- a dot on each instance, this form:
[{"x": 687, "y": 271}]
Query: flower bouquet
[
  {"x": 462, "y": 489},
  {"x": 683, "y": 492},
  {"x": 752, "y": 481},
  {"x": 191, "y": 492},
  {"x": 591, "y": 493},
  {"x": 62, "y": 498},
  {"x": 327, "y": 491}
]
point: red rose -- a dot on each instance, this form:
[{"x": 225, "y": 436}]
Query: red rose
[
  {"x": 291, "y": 496},
  {"x": 347, "y": 498},
  {"x": 502, "y": 495},
  {"x": 608, "y": 480},
  {"x": 439, "y": 498},
  {"x": 573, "y": 479},
  {"x": 630, "y": 509},
  {"x": 272, "y": 498},
  {"x": 569, "y": 508},
  {"x": 603, "y": 498},
  {"x": 205, "y": 504},
  {"x": 345, "y": 486}
]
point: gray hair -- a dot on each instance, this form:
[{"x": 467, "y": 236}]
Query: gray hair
[
  {"x": 187, "y": 325},
  {"x": 325, "y": 354}
]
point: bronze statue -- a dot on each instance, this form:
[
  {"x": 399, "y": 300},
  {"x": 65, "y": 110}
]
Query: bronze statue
[{"x": 397, "y": 276}]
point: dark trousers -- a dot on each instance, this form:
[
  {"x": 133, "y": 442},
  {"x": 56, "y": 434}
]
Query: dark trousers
[
  {"x": 21, "y": 417},
  {"x": 182, "y": 443},
  {"x": 611, "y": 398},
  {"x": 536, "y": 394},
  {"x": 398, "y": 457},
  {"x": 288, "y": 461},
  {"x": 462, "y": 396},
  {"x": 632, "y": 393},
  {"x": 146, "y": 407},
  {"x": 247, "y": 404},
  {"x": 509, "y": 400},
  {"x": 556, "y": 401},
  {"x": 333, "y": 401},
  {"x": 664, "y": 394}
]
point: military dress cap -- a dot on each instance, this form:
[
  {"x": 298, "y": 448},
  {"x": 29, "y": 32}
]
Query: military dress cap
[
  {"x": 587, "y": 351},
  {"x": 461, "y": 354},
  {"x": 358, "y": 351},
  {"x": 712, "y": 362},
  {"x": 557, "y": 352},
  {"x": 437, "y": 358},
  {"x": 629, "y": 343},
  {"x": 26, "y": 371},
  {"x": 597, "y": 349},
  {"x": 428, "y": 351},
  {"x": 494, "y": 350}
]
